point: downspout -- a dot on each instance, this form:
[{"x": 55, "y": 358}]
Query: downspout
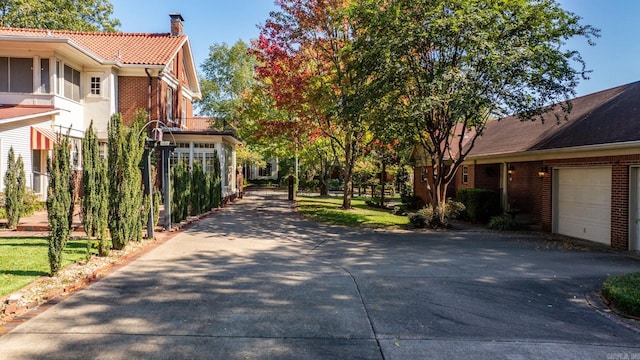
[
  {"x": 147, "y": 175},
  {"x": 149, "y": 87}
]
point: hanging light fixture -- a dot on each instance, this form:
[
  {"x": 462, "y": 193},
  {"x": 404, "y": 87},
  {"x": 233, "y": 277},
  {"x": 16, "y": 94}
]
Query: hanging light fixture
[{"x": 544, "y": 171}]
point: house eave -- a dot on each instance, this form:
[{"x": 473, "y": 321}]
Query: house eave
[{"x": 610, "y": 149}]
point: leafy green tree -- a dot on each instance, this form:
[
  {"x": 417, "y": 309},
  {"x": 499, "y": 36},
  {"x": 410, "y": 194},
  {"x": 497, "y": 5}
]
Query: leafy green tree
[
  {"x": 15, "y": 189},
  {"x": 96, "y": 191},
  {"x": 305, "y": 56},
  {"x": 59, "y": 201},
  {"x": 441, "y": 69},
  {"x": 126, "y": 148},
  {"x": 227, "y": 74},
  {"x": 79, "y": 15}
]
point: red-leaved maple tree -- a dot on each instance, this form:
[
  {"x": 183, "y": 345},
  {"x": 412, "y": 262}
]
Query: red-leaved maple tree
[{"x": 304, "y": 56}]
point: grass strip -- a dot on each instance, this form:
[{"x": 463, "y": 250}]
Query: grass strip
[
  {"x": 328, "y": 210},
  {"x": 624, "y": 293},
  {"x": 23, "y": 260}
]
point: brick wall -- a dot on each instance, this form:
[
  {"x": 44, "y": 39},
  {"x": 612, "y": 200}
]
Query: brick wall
[
  {"x": 487, "y": 176},
  {"x": 525, "y": 190},
  {"x": 459, "y": 179},
  {"x": 133, "y": 95},
  {"x": 420, "y": 188}
]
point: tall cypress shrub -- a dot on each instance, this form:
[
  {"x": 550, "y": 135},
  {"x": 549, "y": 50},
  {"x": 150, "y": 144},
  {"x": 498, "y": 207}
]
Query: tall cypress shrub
[
  {"x": 90, "y": 156},
  {"x": 126, "y": 146},
  {"x": 102, "y": 207},
  {"x": 135, "y": 152},
  {"x": 180, "y": 191},
  {"x": 199, "y": 191},
  {"x": 217, "y": 180},
  {"x": 58, "y": 201},
  {"x": 15, "y": 189},
  {"x": 96, "y": 191}
]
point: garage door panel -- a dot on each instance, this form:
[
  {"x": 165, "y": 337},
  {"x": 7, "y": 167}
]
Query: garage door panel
[{"x": 583, "y": 207}]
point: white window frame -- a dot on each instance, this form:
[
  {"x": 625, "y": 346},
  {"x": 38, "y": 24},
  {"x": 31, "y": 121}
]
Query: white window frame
[{"x": 95, "y": 85}]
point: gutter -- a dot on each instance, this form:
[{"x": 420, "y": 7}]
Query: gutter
[{"x": 550, "y": 154}]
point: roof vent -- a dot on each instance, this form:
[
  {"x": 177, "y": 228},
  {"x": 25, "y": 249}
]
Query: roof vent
[{"x": 176, "y": 24}]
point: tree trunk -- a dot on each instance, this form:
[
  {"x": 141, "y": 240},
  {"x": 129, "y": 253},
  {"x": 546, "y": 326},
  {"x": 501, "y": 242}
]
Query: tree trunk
[
  {"x": 383, "y": 182},
  {"x": 348, "y": 175}
]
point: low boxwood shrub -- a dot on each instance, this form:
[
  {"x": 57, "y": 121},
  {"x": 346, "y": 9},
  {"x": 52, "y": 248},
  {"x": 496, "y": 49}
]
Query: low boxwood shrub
[
  {"x": 481, "y": 204},
  {"x": 624, "y": 293}
]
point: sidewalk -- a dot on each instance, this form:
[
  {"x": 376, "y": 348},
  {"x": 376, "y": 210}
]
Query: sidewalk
[{"x": 37, "y": 225}]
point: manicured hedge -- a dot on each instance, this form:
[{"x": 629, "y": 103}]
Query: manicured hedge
[{"x": 481, "y": 204}]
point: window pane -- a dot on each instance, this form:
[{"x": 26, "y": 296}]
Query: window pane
[
  {"x": 76, "y": 85},
  {"x": 21, "y": 75},
  {"x": 45, "y": 87},
  {"x": 57, "y": 84},
  {"x": 95, "y": 85},
  {"x": 71, "y": 83},
  {"x": 169, "y": 104},
  {"x": 68, "y": 86},
  {"x": 4, "y": 74}
]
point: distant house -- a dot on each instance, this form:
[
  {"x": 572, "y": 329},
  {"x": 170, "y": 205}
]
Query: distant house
[
  {"x": 579, "y": 177},
  {"x": 267, "y": 172},
  {"x": 59, "y": 81}
]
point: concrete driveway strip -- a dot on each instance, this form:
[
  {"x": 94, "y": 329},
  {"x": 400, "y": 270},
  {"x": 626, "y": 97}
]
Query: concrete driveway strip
[{"x": 257, "y": 282}]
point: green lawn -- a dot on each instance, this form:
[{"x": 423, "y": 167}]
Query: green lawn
[
  {"x": 22, "y": 260},
  {"x": 624, "y": 292},
  {"x": 327, "y": 210}
]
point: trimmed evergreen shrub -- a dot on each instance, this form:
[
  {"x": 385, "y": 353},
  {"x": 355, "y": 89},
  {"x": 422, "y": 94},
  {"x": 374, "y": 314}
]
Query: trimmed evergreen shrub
[
  {"x": 199, "y": 190},
  {"x": 58, "y": 201},
  {"x": 126, "y": 148},
  {"x": 95, "y": 202},
  {"x": 90, "y": 156},
  {"x": 180, "y": 191},
  {"x": 481, "y": 204},
  {"x": 15, "y": 189},
  {"x": 216, "y": 181}
]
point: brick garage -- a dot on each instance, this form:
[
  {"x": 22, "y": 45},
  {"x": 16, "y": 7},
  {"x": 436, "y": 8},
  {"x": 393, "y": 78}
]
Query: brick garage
[
  {"x": 620, "y": 194},
  {"x": 601, "y": 132}
]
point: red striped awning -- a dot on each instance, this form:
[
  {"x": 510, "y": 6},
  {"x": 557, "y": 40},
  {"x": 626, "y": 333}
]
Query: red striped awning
[{"x": 42, "y": 139}]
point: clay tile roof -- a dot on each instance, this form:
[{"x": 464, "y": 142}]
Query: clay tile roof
[
  {"x": 198, "y": 123},
  {"x": 126, "y": 48},
  {"x": 606, "y": 117},
  {"x": 18, "y": 111}
]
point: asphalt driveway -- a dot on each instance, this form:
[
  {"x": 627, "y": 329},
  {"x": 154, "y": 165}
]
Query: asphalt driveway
[{"x": 255, "y": 281}]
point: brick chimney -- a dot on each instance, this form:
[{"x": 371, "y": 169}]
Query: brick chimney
[{"x": 176, "y": 24}]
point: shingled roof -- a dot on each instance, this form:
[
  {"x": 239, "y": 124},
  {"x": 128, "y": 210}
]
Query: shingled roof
[
  {"x": 606, "y": 117},
  {"x": 124, "y": 48}
]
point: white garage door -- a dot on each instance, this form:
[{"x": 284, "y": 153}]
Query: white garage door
[{"x": 583, "y": 203}]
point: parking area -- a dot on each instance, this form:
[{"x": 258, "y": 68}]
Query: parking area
[{"x": 255, "y": 281}]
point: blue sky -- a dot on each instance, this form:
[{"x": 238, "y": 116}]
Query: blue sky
[{"x": 614, "y": 60}]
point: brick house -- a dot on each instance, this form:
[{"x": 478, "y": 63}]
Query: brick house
[
  {"x": 85, "y": 76},
  {"x": 579, "y": 177}
]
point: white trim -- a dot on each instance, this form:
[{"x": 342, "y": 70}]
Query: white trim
[
  {"x": 612, "y": 149},
  {"x": 634, "y": 214}
]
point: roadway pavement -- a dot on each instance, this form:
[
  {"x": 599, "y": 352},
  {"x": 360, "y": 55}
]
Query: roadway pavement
[{"x": 255, "y": 281}]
